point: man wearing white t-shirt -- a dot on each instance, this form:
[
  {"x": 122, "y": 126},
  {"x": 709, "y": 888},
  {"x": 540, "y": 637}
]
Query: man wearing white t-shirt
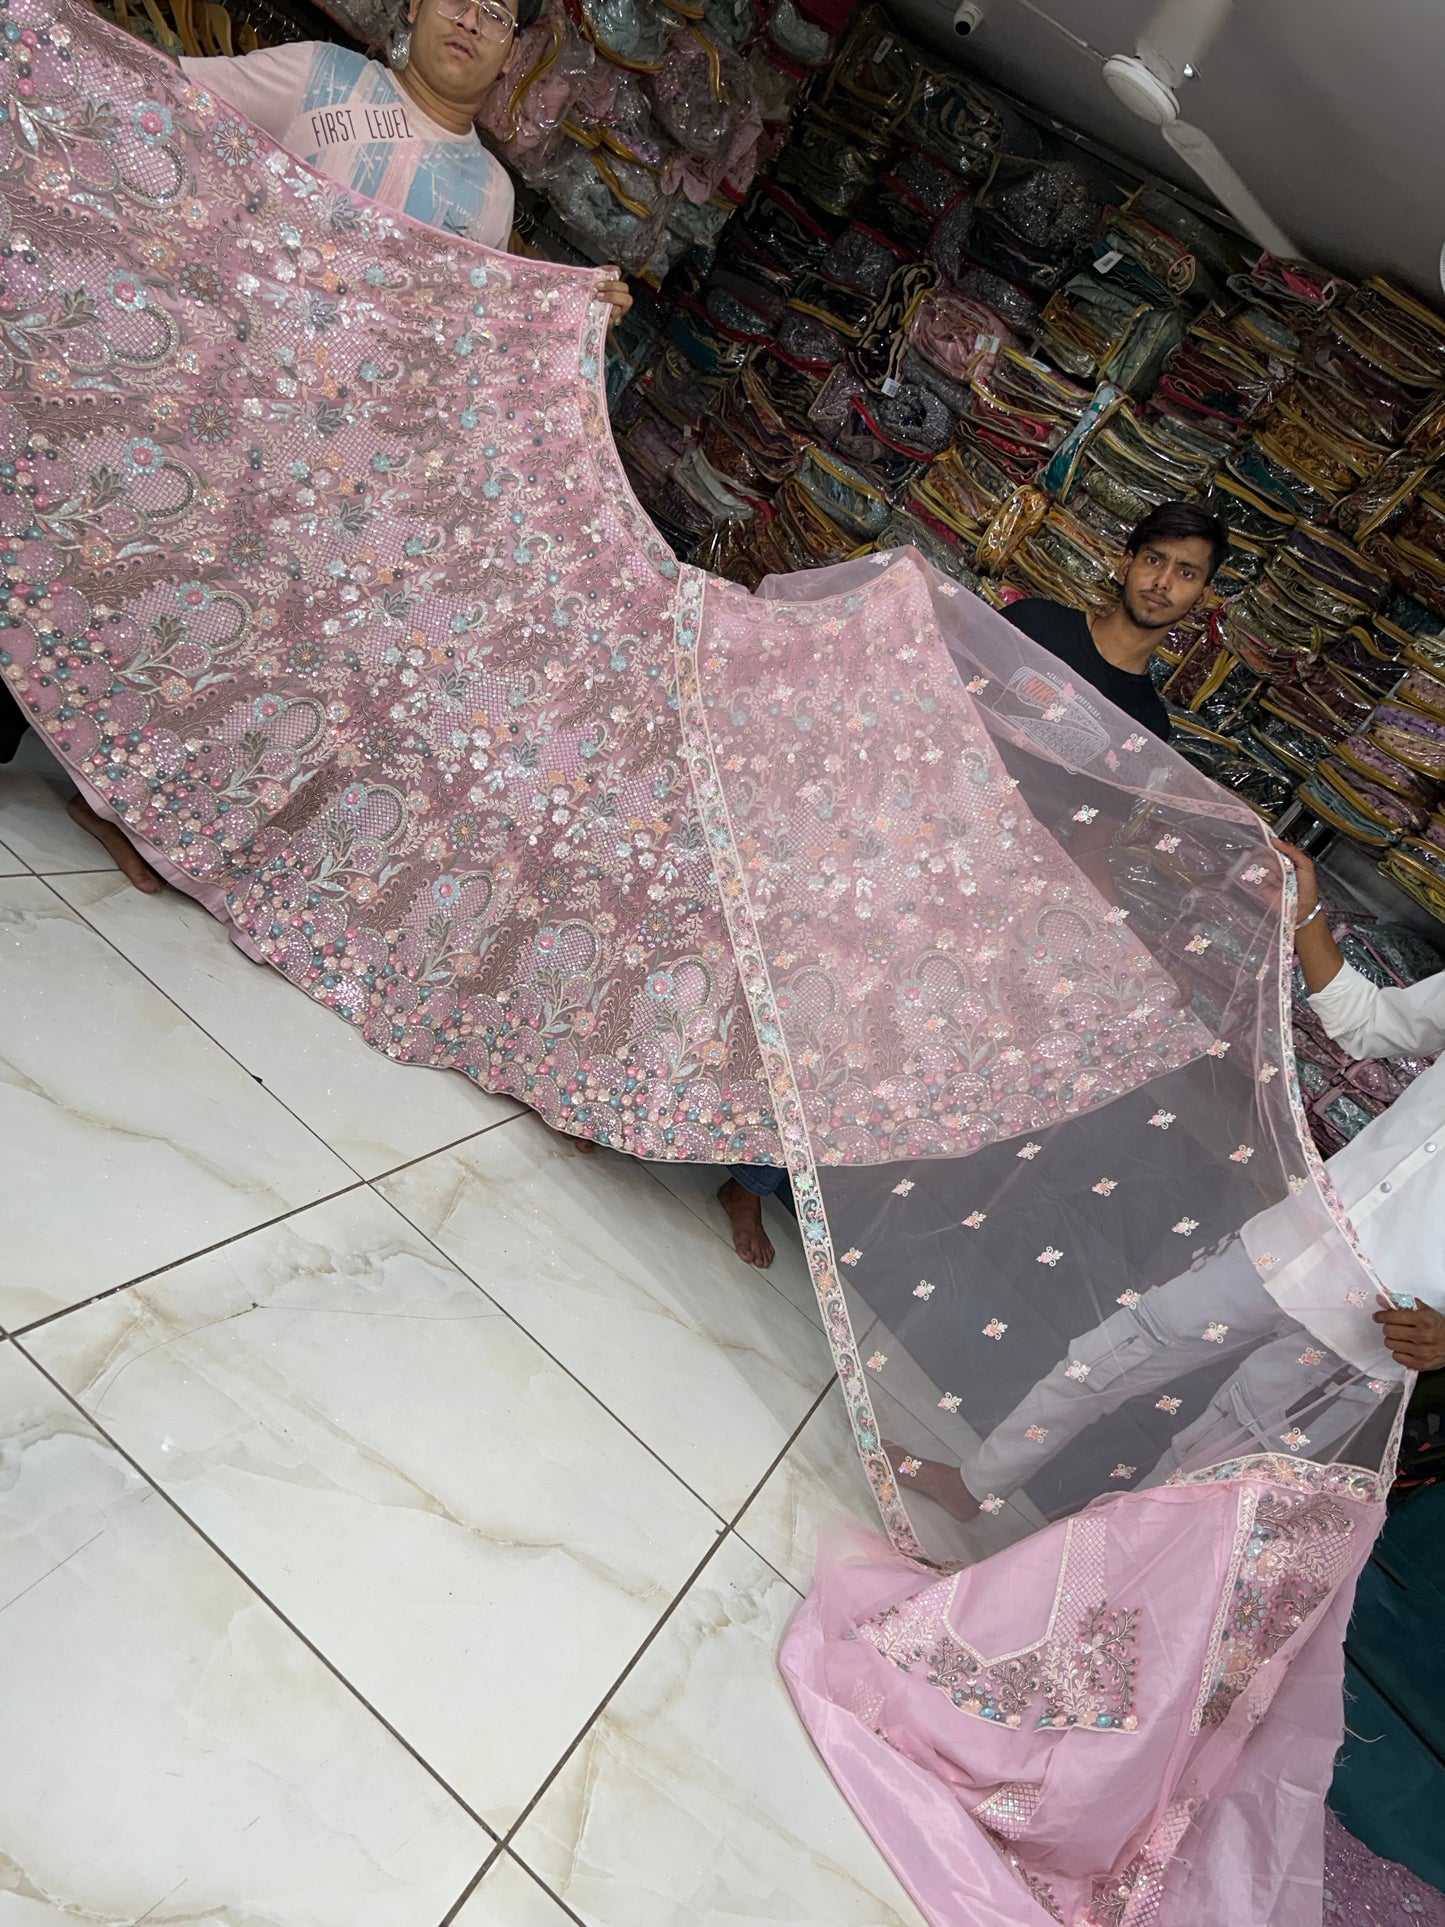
[{"x": 403, "y": 134}]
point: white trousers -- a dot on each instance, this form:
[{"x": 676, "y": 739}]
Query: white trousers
[{"x": 1150, "y": 1346}]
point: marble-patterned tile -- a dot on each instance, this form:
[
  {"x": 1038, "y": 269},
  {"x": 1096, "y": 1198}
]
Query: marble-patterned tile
[
  {"x": 509, "y": 1897},
  {"x": 10, "y": 864},
  {"x": 372, "y": 1112},
  {"x": 696, "y": 1186},
  {"x": 127, "y": 1138},
  {"x": 33, "y": 823},
  {"x": 175, "y": 1752},
  {"x": 820, "y": 1481},
  {"x": 469, "y": 1538},
  {"x": 691, "y": 1349},
  {"x": 696, "y": 1795}
]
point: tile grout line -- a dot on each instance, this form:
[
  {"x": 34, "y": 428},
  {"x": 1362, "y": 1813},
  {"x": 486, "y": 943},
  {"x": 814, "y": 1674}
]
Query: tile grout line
[
  {"x": 729, "y": 1531},
  {"x": 196, "y": 1024},
  {"x": 256, "y": 1591}
]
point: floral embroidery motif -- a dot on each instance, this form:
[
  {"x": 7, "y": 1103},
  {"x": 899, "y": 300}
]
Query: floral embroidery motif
[
  {"x": 1086, "y": 814},
  {"x": 1269, "y": 1073},
  {"x": 1077, "y": 1370},
  {"x": 1030, "y": 1150},
  {"x": 1168, "y": 844},
  {"x": 995, "y": 1328},
  {"x": 910, "y": 1468},
  {"x": 923, "y": 1289},
  {"x": 1215, "y": 1333},
  {"x": 991, "y": 1504},
  {"x": 877, "y": 1361},
  {"x": 1106, "y": 1187},
  {"x": 950, "y": 1402},
  {"x": 1036, "y": 1434},
  {"x": 1136, "y": 742},
  {"x": 1186, "y": 1226},
  {"x": 902, "y": 1189},
  {"x": 1242, "y": 1156},
  {"x": 1219, "y": 1048},
  {"x": 1291, "y": 1551},
  {"x": 1256, "y": 873},
  {"x": 1168, "y": 1404},
  {"x": 851, "y": 1256},
  {"x": 974, "y": 1220},
  {"x": 1312, "y": 1357},
  {"x": 1123, "y": 1471},
  {"x": 1050, "y": 1255},
  {"x": 1161, "y": 1120},
  {"x": 1197, "y": 946},
  {"x": 1128, "y": 1299},
  {"x": 1294, "y": 1438}
]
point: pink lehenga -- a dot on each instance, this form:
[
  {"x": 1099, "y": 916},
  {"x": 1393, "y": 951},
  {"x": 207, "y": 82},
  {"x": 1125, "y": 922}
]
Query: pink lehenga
[{"x": 322, "y": 576}]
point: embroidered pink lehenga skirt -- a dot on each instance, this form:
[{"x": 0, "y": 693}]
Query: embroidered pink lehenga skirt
[{"x": 320, "y": 572}]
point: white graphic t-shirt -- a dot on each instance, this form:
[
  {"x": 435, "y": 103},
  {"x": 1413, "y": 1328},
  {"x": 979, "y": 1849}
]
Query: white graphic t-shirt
[{"x": 348, "y": 118}]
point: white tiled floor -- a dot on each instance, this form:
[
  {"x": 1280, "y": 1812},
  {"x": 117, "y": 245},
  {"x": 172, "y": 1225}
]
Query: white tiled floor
[{"x": 399, "y": 1513}]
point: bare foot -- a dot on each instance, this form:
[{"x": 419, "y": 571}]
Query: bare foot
[
  {"x": 745, "y": 1213},
  {"x": 932, "y": 1479},
  {"x": 122, "y": 852}
]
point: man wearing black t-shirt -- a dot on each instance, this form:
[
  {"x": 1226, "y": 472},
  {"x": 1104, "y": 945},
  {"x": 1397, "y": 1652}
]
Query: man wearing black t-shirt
[{"x": 1173, "y": 554}]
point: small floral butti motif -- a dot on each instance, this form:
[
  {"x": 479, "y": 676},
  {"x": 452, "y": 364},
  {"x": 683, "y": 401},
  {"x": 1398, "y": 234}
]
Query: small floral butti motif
[
  {"x": 950, "y": 1402},
  {"x": 1268, "y": 1073},
  {"x": 1086, "y": 814},
  {"x": 1168, "y": 844},
  {"x": 1050, "y": 1255},
  {"x": 923, "y": 1289},
  {"x": 1219, "y": 1048},
  {"x": 1313, "y": 1356},
  {"x": 1168, "y": 1404},
  {"x": 974, "y": 1220},
  {"x": 1185, "y": 1227},
  {"x": 1077, "y": 1369},
  {"x": 851, "y": 1256},
  {"x": 1216, "y": 1333},
  {"x": 1123, "y": 1471},
  {"x": 1295, "y": 1439},
  {"x": 1030, "y": 1150},
  {"x": 1242, "y": 1154},
  {"x": 1106, "y": 1187},
  {"x": 877, "y": 1361},
  {"x": 902, "y": 1188},
  {"x": 991, "y": 1504},
  {"x": 1036, "y": 1434},
  {"x": 1197, "y": 946},
  {"x": 1161, "y": 1120},
  {"x": 1128, "y": 1299},
  {"x": 1256, "y": 873},
  {"x": 995, "y": 1328},
  {"x": 910, "y": 1468}
]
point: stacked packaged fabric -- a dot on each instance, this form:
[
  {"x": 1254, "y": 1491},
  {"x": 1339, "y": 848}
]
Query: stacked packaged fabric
[{"x": 930, "y": 324}]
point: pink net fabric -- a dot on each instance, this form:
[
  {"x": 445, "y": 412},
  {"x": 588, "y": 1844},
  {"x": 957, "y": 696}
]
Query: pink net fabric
[{"x": 321, "y": 574}]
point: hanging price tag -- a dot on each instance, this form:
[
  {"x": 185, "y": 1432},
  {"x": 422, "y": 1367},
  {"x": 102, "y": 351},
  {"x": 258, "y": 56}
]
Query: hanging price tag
[
  {"x": 1106, "y": 263},
  {"x": 891, "y": 387}
]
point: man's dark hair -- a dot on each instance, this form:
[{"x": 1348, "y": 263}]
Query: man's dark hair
[{"x": 1182, "y": 522}]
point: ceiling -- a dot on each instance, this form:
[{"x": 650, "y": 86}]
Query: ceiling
[{"x": 1330, "y": 109}]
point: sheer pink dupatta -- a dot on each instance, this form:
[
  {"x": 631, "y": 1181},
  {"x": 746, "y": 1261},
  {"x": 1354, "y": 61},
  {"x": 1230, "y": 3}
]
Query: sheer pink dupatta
[{"x": 1068, "y": 1236}]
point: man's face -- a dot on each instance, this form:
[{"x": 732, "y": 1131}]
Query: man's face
[
  {"x": 460, "y": 59},
  {"x": 1165, "y": 580}
]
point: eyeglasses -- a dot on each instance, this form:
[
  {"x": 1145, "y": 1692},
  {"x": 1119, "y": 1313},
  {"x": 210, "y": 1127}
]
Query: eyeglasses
[{"x": 493, "y": 20}]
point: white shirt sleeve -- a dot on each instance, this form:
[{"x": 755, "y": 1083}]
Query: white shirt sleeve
[
  {"x": 268, "y": 86},
  {"x": 1370, "y": 1022}
]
